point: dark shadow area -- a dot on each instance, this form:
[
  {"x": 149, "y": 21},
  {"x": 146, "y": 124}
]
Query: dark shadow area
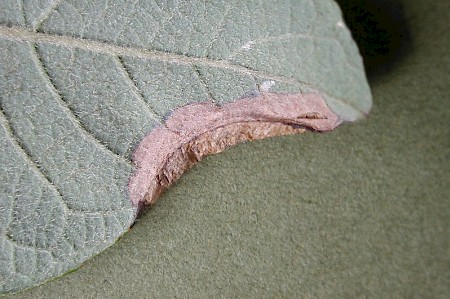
[{"x": 381, "y": 31}]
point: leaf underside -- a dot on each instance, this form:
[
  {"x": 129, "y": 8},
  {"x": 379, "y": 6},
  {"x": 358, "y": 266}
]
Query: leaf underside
[{"x": 81, "y": 83}]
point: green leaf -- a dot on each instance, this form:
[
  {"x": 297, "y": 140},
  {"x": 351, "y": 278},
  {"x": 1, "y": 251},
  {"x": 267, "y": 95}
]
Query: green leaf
[{"x": 82, "y": 82}]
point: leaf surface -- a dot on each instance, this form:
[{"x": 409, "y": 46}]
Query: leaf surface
[{"x": 82, "y": 82}]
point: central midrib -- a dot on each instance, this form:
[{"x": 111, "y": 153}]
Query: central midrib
[{"x": 17, "y": 33}]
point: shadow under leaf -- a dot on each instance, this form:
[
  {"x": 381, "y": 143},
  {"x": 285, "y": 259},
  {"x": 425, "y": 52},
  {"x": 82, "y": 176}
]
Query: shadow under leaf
[{"x": 381, "y": 31}]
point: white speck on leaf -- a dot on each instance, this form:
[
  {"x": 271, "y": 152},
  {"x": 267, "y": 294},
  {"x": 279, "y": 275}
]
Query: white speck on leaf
[
  {"x": 248, "y": 45},
  {"x": 266, "y": 85}
]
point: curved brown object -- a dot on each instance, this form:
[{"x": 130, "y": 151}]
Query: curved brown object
[{"x": 200, "y": 129}]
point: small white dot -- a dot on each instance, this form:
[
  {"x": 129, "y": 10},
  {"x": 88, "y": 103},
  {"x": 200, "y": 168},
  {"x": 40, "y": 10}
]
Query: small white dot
[
  {"x": 266, "y": 85},
  {"x": 248, "y": 45}
]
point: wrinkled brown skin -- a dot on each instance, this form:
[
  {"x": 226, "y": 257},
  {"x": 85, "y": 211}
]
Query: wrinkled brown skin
[{"x": 201, "y": 129}]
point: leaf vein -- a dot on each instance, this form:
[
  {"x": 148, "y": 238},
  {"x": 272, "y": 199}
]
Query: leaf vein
[
  {"x": 22, "y": 11},
  {"x": 26, "y": 154},
  {"x": 128, "y": 78},
  {"x": 110, "y": 49},
  {"x": 262, "y": 40},
  {"x": 24, "y": 246},
  {"x": 220, "y": 28},
  {"x": 46, "y": 14},
  {"x": 202, "y": 80},
  {"x": 71, "y": 115},
  {"x": 30, "y": 160}
]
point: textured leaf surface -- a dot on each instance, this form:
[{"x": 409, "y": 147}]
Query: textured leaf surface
[{"x": 83, "y": 82}]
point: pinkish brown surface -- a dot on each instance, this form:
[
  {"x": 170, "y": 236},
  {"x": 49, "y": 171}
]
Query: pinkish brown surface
[{"x": 200, "y": 129}]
